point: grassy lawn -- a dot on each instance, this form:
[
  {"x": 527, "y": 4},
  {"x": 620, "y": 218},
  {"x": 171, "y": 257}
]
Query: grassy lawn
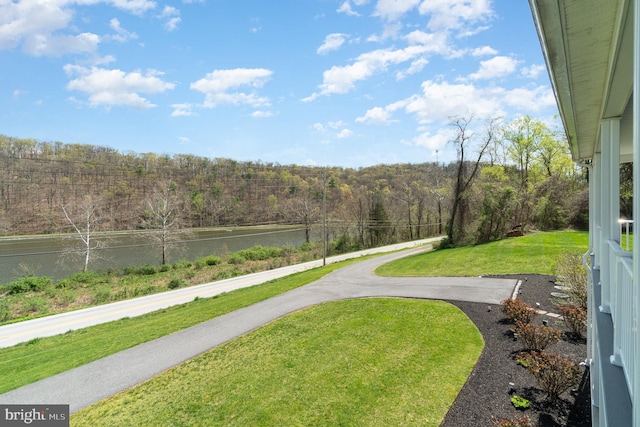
[
  {"x": 355, "y": 362},
  {"x": 42, "y": 358},
  {"x": 534, "y": 253}
]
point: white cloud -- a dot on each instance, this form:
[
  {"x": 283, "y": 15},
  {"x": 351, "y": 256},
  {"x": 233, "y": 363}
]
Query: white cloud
[
  {"x": 319, "y": 127},
  {"x": 18, "y": 93},
  {"x": 136, "y": 7},
  {"x": 43, "y": 45},
  {"x": 260, "y": 114},
  {"x": 344, "y": 133},
  {"x": 456, "y": 14},
  {"x": 375, "y": 115},
  {"x": 182, "y": 110},
  {"x": 441, "y": 100},
  {"x": 533, "y": 71},
  {"x": 337, "y": 125},
  {"x": 381, "y": 115},
  {"x": 218, "y": 85},
  {"x": 45, "y": 27},
  {"x": 172, "y": 17},
  {"x": 183, "y": 140},
  {"x": 484, "y": 51},
  {"x": 332, "y": 42},
  {"x": 415, "y": 67},
  {"x": 115, "y": 87},
  {"x": 342, "y": 79},
  {"x": 121, "y": 35},
  {"x": 435, "y": 142},
  {"x": 394, "y": 9},
  {"x": 535, "y": 99},
  {"x": 498, "y": 66},
  {"x": 345, "y": 7}
]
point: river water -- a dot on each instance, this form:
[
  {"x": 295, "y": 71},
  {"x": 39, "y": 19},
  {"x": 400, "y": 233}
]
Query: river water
[{"x": 45, "y": 255}]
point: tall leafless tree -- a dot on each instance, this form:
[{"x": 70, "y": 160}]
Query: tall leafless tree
[
  {"x": 464, "y": 141},
  {"x": 85, "y": 219},
  {"x": 164, "y": 216}
]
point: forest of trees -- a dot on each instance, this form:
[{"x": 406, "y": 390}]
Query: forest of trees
[{"x": 519, "y": 174}]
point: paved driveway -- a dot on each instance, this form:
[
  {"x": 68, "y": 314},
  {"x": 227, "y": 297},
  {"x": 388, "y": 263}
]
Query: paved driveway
[{"x": 97, "y": 380}]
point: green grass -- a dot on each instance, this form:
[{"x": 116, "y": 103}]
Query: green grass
[
  {"x": 531, "y": 254},
  {"x": 355, "y": 362},
  {"x": 42, "y": 358}
]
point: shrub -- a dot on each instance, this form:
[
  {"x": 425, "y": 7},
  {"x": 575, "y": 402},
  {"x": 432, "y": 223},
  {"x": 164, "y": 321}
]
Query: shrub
[
  {"x": 29, "y": 284},
  {"x": 517, "y": 421},
  {"x": 177, "y": 283},
  {"x": 164, "y": 268},
  {"x": 259, "y": 253},
  {"x": 573, "y": 276},
  {"x": 208, "y": 260},
  {"x": 575, "y": 317},
  {"x": 5, "y": 310},
  {"x": 520, "y": 402},
  {"x": 74, "y": 280},
  {"x": 536, "y": 337},
  {"x": 35, "y": 305},
  {"x": 220, "y": 275},
  {"x": 554, "y": 373},
  {"x": 517, "y": 310},
  {"x": 236, "y": 259},
  {"x": 102, "y": 295},
  {"x": 181, "y": 264},
  {"x": 147, "y": 270}
]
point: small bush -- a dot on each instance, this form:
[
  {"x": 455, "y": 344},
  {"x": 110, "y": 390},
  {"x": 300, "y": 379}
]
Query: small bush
[
  {"x": 102, "y": 295},
  {"x": 181, "y": 264},
  {"x": 35, "y": 305},
  {"x": 555, "y": 374},
  {"x": 220, "y": 275},
  {"x": 517, "y": 310},
  {"x": 236, "y": 259},
  {"x": 129, "y": 270},
  {"x": 517, "y": 421},
  {"x": 259, "y": 253},
  {"x": 575, "y": 317},
  {"x": 572, "y": 275},
  {"x": 147, "y": 270},
  {"x": 75, "y": 280},
  {"x": 29, "y": 284},
  {"x": 210, "y": 260},
  {"x": 537, "y": 337},
  {"x": 177, "y": 283},
  {"x": 164, "y": 268},
  {"x": 520, "y": 402}
]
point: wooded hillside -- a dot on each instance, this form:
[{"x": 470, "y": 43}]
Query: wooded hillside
[{"x": 539, "y": 188}]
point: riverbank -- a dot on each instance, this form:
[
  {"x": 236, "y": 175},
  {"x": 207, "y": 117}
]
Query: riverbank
[{"x": 34, "y": 297}]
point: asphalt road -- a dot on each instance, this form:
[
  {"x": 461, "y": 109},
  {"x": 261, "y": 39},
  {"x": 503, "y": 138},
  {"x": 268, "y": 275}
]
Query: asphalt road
[
  {"x": 95, "y": 381},
  {"x": 16, "y": 333}
]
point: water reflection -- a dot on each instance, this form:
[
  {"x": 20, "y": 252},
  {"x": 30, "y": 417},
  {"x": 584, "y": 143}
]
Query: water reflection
[{"x": 44, "y": 256}]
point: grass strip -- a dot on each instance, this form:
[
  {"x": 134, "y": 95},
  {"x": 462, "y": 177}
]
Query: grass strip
[
  {"x": 534, "y": 253},
  {"x": 355, "y": 362},
  {"x": 43, "y": 357}
]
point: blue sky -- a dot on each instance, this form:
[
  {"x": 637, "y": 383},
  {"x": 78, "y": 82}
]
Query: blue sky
[{"x": 312, "y": 82}]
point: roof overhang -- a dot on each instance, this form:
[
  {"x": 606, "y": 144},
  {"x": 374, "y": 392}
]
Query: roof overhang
[{"x": 588, "y": 49}]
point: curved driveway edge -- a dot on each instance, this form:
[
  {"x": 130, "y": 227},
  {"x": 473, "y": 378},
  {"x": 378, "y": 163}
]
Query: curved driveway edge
[{"x": 87, "y": 384}]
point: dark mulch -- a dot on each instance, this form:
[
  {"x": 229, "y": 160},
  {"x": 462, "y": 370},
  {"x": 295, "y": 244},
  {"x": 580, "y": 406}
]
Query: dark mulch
[{"x": 487, "y": 392}]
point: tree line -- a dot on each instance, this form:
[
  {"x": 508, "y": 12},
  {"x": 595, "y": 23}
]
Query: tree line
[{"x": 516, "y": 174}]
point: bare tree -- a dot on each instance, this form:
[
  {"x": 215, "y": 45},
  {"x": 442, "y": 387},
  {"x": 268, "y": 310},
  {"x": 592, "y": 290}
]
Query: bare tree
[
  {"x": 85, "y": 219},
  {"x": 164, "y": 216},
  {"x": 463, "y": 141}
]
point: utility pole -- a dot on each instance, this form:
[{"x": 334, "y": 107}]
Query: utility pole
[{"x": 324, "y": 217}]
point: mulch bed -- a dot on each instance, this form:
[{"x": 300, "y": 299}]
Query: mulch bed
[{"x": 487, "y": 392}]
